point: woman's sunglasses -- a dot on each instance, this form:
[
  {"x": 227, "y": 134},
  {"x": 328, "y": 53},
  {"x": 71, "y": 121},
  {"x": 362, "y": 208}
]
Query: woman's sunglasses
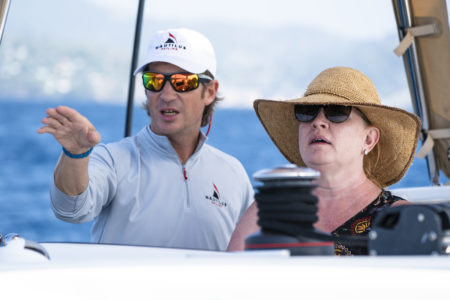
[
  {"x": 181, "y": 82},
  {"x": 334, "y": 113}
]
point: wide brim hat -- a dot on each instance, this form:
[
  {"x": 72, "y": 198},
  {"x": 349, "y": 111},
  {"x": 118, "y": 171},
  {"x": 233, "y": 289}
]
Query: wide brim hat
[{"x": 399, "y": 129}]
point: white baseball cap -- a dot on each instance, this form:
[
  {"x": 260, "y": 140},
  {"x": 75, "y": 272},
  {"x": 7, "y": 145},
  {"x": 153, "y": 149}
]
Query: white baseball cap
[{"x": 185, "y": 48}]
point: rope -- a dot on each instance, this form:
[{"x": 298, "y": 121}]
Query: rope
[{"x": 292, "y": 211}]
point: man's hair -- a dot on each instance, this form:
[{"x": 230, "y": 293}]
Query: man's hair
[{"x": 209, "y": 109}]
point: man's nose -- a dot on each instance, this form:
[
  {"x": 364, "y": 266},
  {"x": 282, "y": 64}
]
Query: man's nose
[{"x": 167, "y": 93}]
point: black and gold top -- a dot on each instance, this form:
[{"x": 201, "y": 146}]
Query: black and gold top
[{"x": 360, "y": 223}]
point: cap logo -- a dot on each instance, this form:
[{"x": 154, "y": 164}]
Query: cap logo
[
  {"x": 170, "y": 44},
  {"x": 171, "y": 36}
]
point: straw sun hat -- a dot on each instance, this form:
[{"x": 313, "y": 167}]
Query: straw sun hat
[{"x": 399, "y": 130}]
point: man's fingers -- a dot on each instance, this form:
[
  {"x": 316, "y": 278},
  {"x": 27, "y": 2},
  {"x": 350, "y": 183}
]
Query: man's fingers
[
  {"x": 51, "y": 122},
  {"x": 55, "y": 114},
  {"x": 71, "y": 129},
  {"x": 69, "y": 113},
  {"x": 46, "y": 129},
  {"x": 73, "y": 117}
]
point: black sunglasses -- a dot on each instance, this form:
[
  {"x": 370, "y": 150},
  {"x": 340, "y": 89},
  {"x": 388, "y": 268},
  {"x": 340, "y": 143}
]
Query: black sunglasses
[
  {"x": 181, "y": 82},
  {"x": 334, "y": 113}
]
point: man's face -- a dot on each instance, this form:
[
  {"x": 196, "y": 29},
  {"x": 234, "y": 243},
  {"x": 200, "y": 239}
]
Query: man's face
[{"x": 173, "y": 114}]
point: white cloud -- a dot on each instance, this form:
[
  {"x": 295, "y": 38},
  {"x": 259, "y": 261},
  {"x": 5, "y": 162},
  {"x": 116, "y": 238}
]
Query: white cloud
[
  {"x": 119, "y": 9},
  {"x": 357, "y": 19},
  {"x": 239, "y": 97},
  {"x": 400, "y": 98}
]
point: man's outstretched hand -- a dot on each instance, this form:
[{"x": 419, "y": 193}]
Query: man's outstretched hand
[{"x": 71, "y": 129}]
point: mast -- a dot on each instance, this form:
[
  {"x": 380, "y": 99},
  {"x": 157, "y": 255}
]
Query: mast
[{"x": 137, "y": 39}]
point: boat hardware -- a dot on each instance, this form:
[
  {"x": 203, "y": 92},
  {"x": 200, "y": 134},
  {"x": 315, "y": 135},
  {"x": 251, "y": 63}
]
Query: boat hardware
[
  {"x": 287, "y": 210},
  {"x": 418, "y": 229},
  {"x": 4, "y": 8}
]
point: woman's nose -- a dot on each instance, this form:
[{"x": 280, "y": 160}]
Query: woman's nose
[{"x": 320, "y": 120}]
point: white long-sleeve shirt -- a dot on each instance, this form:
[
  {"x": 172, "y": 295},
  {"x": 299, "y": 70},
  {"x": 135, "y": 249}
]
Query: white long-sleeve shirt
[{"x": 141, "y": 194}]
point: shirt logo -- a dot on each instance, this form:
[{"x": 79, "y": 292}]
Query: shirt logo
[
  {"x": 360, "y": 225},
  {"x": 215, "y": 197},
  {"x": 171, "y": 43}
]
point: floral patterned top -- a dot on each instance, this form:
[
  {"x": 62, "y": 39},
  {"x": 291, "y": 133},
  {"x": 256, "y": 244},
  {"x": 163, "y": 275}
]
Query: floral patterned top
[{"x": 360, "y": 223}]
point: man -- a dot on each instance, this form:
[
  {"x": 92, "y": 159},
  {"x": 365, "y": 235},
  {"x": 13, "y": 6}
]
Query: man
[{"x": 164, "y": 186}]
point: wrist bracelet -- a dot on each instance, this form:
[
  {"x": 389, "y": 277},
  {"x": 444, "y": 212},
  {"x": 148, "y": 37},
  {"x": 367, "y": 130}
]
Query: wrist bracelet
[{"x": 76, "y": 156}]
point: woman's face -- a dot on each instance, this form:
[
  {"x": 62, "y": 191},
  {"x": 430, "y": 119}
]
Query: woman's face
[{"x": 324, "y": 143}]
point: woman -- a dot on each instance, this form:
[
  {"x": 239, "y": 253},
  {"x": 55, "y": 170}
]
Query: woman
[{"x": 340, "y": 128}]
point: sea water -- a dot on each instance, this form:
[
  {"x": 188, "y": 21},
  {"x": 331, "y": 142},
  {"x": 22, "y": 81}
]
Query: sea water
[{"x": 27, "y": 160}]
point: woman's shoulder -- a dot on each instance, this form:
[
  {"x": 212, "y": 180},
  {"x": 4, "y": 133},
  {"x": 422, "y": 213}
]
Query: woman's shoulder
[
  {"x": 386, "y": 198},
  {"x": 360, "y": 224}
]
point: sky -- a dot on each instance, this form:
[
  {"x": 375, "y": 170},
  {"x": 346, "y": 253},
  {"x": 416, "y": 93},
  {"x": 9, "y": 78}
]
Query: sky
[
  {"x": 265, "y": 49},
  {"x": 358, "y": 19}
]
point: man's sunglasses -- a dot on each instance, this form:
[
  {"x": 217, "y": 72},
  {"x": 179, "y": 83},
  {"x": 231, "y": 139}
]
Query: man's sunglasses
[
  {"x": 334, "y": 113},
  {"x": 181, "y": 82}
]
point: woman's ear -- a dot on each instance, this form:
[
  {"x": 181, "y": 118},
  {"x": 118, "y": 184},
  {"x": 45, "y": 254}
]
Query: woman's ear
[{"x": 372, "y": 137}]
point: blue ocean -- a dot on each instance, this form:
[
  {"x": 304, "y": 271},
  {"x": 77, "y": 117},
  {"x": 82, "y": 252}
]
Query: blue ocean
[{"x": 27, "y": 160}]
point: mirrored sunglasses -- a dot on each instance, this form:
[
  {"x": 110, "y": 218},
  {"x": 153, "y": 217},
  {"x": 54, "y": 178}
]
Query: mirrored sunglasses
[
  {"x": 181, "y": 82},
  {"x": 334, "y": 113}
]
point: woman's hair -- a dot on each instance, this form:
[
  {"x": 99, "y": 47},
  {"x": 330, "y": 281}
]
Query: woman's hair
[{"x": 209, "y": 109}]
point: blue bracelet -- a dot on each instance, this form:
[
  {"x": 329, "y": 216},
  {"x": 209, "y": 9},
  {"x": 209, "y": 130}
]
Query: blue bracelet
[{"x": 76, "y": 156}]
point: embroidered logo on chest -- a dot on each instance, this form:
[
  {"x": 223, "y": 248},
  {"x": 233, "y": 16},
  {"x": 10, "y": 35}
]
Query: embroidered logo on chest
[{"x": 215, "y": 198}]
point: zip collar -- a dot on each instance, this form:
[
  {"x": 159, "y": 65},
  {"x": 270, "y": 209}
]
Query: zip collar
[{"x": 162, "y": 144}]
